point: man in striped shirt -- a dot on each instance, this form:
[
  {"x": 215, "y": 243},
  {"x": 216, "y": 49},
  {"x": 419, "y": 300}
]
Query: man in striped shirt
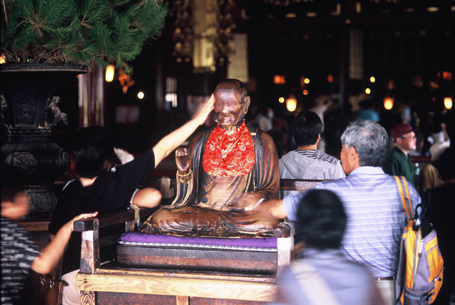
[
  {"x": 306, "y": 162},
  {"x": 371, "y": 199}
]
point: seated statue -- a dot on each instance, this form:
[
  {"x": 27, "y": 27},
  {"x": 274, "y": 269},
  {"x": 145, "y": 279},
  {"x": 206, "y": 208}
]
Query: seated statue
[{"x": 222, "y": 170}]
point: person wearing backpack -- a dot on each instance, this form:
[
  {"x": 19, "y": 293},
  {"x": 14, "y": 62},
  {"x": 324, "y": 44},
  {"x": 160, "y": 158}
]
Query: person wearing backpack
[
  {"x": 371, "y": 200},
  {"x": 322, "y": 274}
]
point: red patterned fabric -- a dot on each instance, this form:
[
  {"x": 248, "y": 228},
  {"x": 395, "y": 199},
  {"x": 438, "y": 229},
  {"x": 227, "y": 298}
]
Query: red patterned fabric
[{"x": 229, "y": 153}]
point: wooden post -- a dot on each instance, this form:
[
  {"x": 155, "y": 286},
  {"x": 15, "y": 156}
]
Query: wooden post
[
  {"x": 88, "y": 298},
  {"x": 284, "y": 233},
  {"x": 90, "y": 255},
  {"x": 182, "y": 300}
]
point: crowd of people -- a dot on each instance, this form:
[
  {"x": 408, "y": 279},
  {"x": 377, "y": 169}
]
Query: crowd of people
[
  {"x": 349, "y": 227},
  {"x": 372, "y": 203}
]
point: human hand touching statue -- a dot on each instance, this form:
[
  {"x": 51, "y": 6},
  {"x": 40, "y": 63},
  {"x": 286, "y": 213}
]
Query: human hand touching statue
[
  {"x": 204, "y": 110},
  {"x": 248, "y": 201}
]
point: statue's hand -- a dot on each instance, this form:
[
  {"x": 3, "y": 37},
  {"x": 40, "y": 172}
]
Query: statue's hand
[
  {"x": 182, "y": 160},
  {"x": 247, "y": 202}
]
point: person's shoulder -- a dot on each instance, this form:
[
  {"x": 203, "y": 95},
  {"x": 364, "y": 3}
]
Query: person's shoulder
[
  {"x": 327, "y": 158},
  {"x": 290, "y": 156}
]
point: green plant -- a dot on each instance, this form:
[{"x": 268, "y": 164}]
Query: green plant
[{"x": 79, "y": 31}]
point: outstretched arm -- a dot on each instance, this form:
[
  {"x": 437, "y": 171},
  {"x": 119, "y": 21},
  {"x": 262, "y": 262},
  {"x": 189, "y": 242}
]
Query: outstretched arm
[
  {"x": 272, "y": 208},
  {"x": 170, "y": 142},
  {"x": 50, "y": 256}
]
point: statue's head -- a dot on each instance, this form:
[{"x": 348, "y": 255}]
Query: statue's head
[{"x": 231, "y": 103}]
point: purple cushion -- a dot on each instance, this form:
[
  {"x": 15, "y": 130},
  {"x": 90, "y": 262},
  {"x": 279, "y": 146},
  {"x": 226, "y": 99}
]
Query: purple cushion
[{"x": 138, "y": 237}]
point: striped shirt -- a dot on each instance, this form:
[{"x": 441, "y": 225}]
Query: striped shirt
[
  {"x": 376, "y": 217},
  {"x": 309, "y": 164},
  {"x": 18, "y": 254}
]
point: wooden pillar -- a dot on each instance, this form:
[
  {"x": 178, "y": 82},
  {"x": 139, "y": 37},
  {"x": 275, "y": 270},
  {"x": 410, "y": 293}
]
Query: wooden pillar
[{"x": 92, "y": 105}]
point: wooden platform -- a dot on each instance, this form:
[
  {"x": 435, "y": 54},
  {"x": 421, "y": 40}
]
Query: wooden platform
[
  {"x": 119, "y": 284},
  {"x": 173, "y": 287}
]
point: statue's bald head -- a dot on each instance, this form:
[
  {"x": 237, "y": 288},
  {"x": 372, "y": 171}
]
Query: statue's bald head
[{"x": 233, "y": 84}]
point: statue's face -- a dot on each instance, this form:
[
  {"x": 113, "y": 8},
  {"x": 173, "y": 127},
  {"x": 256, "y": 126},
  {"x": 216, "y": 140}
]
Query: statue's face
[{"x": 228, "y": 108}]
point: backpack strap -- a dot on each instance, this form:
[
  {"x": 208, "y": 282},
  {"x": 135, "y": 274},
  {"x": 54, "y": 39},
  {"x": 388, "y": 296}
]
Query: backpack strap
[
  {"x": 312, "y": 284},
  {"x": 404, "y": 194}
]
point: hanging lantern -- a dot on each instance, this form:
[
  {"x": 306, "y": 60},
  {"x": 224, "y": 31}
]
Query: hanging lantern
[
  {"x": 110, "y": 70},
  {"x": 448, "y": 102},
  {"x": 388, "y": 103},
  {"x": 291, "y": 104}
]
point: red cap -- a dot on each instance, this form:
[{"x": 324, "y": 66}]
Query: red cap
[{"x": 401, "y": 130}]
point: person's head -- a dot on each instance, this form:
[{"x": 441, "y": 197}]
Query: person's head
[
  {"x": 321, "y": 220},
  {"x": 93, "y": 151},
  {"x": 447, "y": 165},
  {"x": 307, "y": 128},
  {"x": 231, "y": 103},
  {"x": 364, "y": 143},
  {"x": 404, "y": 137}
]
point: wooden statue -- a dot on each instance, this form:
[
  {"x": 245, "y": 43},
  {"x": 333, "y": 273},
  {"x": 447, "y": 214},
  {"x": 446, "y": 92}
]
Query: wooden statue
[{"x": 222, "y": 171}]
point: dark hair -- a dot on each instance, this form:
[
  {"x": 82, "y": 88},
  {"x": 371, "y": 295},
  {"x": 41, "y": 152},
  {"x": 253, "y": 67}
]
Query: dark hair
[
  {"x": 370, "y": 141},
  {"x": 306, "y": 128},
  {"x": 446, "y": 164},
  {"x": 93, "y": 150},
  {"x": 236, "y": 85},
  {"x": 321, "y": 220}
]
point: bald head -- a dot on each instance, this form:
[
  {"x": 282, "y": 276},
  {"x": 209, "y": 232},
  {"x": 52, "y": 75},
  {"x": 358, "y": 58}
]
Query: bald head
[{"x": 230, "y": 85}]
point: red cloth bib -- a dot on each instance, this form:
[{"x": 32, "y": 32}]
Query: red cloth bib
[{"x": 229, "y": 153}]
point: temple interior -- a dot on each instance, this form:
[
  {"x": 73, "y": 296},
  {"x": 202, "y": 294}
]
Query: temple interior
[{"x": 396, "y": 57}]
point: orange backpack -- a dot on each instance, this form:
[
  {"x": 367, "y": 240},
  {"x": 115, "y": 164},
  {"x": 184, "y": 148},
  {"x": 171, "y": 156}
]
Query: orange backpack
[{"x": 420, "y": 267}]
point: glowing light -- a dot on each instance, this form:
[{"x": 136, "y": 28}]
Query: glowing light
[
  {"x": 2, "y": 59},
  {"x": 388, "y": 103},
  {"x": 447, "y": 76},
  {"x": 372, "y": 79},
  {"x": 330, "y": 78},
  {"x": 291, "y": 104},
  {"x": 306, "y": 81},
  {"x": 110, "y": 70},
  {"x": 281, "y": 100},
  {"x": 305, "y": 92},
  {"x": 367, "y": 90},
  {"x": 432, "y": 9},
  {"x": 140, "y": 95},
  {"x": 448, "y": 102},
  {"x": 279, "y": 79}
]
